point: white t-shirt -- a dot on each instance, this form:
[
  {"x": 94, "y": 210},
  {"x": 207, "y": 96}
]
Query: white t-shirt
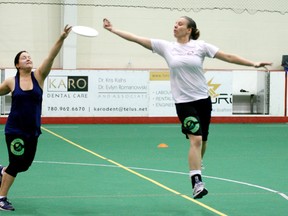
[{"x": 185, "y": 62}]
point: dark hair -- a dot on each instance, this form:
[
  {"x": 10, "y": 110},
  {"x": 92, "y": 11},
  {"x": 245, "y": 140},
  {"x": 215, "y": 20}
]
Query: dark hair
[
  {"x": 17, "y": 57},
  {"x": 192, "y": 24}
]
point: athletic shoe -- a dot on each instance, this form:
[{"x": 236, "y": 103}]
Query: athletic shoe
[
  {"x": 1, "y": 168},
  {"x": 199, "y": 190},
  {"x": 5, "y": 205}
]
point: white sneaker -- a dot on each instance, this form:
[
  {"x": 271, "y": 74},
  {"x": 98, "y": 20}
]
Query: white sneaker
[
  {"x": 5, "y": 205},
  {"x": 199, "y": 190}
]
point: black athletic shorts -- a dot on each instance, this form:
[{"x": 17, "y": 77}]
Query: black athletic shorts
[
  {"x": 21, "y": 151},
  {"x": 199, "y": 110}
]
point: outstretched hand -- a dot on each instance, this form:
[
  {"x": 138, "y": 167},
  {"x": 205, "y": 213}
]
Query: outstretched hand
[
  {"x": 261, "y": 64},
  {"x": 66, "y": 31},
  {"x": 107, "y": 24}
]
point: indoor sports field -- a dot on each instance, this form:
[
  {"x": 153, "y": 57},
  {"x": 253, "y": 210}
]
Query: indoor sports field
[{"x": 101, "y": 169}]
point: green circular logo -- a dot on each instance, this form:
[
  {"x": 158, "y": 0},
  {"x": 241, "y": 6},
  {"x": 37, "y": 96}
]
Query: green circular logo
[
  {"x": 17, "y": 147},
  {"x": 192, "y": 124}
]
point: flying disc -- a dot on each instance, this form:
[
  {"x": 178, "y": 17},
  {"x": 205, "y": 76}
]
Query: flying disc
[{"x": 85, "y": 31}]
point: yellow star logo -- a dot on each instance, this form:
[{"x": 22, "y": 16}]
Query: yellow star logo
[{"x": 212, "y": 88}]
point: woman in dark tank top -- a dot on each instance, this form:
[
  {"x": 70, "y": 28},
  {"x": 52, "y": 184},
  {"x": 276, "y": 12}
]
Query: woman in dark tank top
[
  {"x": 25, "y": 114},
  {"x": 23, "y": 125}
]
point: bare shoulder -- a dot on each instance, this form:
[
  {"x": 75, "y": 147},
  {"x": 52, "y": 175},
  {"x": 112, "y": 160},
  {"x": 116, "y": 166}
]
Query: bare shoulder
[
  {"x": 10, "y": 81},
  {"x": 7, "y": 85},
  {"x": 39, "y": 77}
]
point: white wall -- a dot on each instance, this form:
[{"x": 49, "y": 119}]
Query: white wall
[
  {"x": 260, "y": 36},
  {"x": 277, "y": 93},
  {"x": 246, "y": 80}
]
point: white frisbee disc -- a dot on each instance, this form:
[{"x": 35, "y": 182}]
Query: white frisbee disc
[{"x": 85, "y": 31}]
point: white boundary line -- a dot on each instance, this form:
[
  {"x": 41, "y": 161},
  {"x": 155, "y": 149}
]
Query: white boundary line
[{"x": 172, "y": 172}]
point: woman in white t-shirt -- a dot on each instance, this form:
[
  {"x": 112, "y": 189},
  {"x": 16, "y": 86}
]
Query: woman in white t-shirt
[{"x": 189, "y": 88}]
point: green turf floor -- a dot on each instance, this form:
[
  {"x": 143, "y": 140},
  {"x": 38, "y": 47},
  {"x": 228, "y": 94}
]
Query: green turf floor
[{"x": 119, "y": 170}]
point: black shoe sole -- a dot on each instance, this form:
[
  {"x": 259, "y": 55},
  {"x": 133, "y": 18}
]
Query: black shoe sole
[{"x": 200, "y": 195}]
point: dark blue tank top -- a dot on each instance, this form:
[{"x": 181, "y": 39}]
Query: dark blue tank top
[{"x": 25, "y": 114}]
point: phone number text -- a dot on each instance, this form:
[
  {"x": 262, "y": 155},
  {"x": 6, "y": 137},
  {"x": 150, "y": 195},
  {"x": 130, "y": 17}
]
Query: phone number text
[{"x": 66, "y": 109}]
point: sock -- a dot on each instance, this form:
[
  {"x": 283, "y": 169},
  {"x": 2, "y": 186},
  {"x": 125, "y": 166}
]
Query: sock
[{"x": 195, "y": 176}]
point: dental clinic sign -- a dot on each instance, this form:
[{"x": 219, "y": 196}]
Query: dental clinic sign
[{"x": 96, "y": 93}]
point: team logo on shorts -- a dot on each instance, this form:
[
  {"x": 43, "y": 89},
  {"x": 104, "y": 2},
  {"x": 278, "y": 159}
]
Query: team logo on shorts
[
  {"x": 192, "y": 124},
  {"x": 17, "y": 147}
]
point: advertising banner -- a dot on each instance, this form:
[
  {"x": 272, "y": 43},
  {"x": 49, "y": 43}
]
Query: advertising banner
[
  {"x": 220, "y": 90},
  {"x": 121, "y": 93},
  {"x": 161, "y": 102},
  {"x": 96, "y": 93}
]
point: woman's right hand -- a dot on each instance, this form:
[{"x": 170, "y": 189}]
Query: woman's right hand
[{"x": 107, "y": 25}]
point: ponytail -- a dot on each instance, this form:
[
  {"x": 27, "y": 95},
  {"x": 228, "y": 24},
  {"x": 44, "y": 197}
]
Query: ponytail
[{"x": 195, "y": 33}]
